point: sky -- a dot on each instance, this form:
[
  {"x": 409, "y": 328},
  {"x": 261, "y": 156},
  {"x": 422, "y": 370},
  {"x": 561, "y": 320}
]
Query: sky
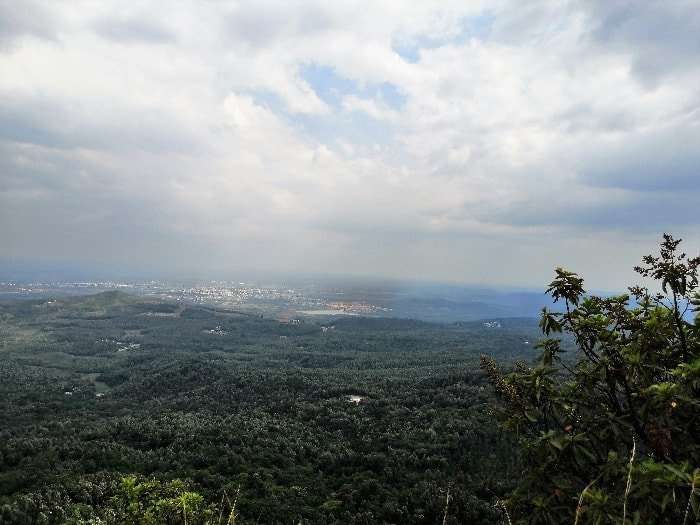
[{"x": 466, "y": 141}]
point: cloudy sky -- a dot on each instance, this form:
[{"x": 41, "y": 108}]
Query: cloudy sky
[{"x": 482, "y": 142}]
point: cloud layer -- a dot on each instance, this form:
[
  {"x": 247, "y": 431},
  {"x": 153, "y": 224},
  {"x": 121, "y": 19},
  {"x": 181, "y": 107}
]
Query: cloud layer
[{"x": 471, "y": 141}]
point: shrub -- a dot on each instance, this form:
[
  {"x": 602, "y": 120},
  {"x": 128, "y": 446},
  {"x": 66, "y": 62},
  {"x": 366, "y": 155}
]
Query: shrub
[{"x": 611, "y": 434}]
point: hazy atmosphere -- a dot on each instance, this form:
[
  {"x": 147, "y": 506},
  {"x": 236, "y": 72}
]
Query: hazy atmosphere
[
  {"x": 480, "y": 142},
  {"x": 337, "y": 262}
]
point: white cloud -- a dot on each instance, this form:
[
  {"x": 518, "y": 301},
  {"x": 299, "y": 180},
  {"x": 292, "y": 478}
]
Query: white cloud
[
  {"x": 376, "y": 109},
  {"x": 514, "y": 126}
]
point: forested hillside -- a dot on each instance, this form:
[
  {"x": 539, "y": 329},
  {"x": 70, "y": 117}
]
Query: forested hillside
[
  {"x": 119, "y": 409},
  {"x": 127, "y": 410}
]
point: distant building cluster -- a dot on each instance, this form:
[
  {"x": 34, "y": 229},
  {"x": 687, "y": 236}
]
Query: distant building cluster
[
  {"x": 284, "y": 303},
  {"x": 356, "y": 307}
]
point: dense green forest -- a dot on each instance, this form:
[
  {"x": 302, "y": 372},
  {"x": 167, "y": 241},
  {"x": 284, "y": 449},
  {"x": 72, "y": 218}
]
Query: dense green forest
[
  {"x": 117, "y": 409},
  {"x": 124, "y": 410}
]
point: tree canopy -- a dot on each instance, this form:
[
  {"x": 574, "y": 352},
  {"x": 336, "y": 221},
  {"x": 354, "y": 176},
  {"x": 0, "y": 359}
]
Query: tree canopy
[{"x": 610, "y": 434}]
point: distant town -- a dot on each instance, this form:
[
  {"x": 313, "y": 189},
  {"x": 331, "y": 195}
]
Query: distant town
[{"x": 282, "y": 302}]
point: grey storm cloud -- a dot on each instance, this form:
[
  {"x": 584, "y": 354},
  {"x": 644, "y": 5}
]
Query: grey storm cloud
[
  {"x": 662, "y": 36},
  {"x": 261, "y": 23},
  {"x": 133, "y": 29},
  {"x": 646, "y": 213},
  {"x": 584, "y": 118},
  {"x": 667, "y": 160},
  {"x": 67, "y": 124},
  {"x": 20, "y": 19}
]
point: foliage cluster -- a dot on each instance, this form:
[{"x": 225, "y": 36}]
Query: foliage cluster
[
  {"x": 611, "y": 436},
  {"x": 196, "y": 401}
]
